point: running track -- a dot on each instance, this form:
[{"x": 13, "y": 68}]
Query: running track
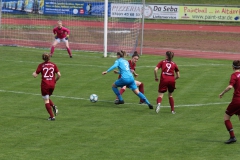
[{"x": 191, "y": 53}]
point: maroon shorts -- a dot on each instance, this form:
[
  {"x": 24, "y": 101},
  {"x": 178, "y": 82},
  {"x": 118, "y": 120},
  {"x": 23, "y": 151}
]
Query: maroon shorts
[
  {"x": 166, "y": 86},
  {"x": 233, "y": 107},
  {"x": 47, "y": 90}
]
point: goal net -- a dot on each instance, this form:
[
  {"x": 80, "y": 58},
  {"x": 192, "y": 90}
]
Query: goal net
[{"x": 30, "y": 23}]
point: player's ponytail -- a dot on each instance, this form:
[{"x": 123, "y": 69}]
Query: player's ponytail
[
  {"x": 236, "y": 64},
  {"x": 135, "y": 54},
  {"x": 121, "y": 53},
  {"x": 45, "y": 57},
  {"x": 169, "y": 55}
]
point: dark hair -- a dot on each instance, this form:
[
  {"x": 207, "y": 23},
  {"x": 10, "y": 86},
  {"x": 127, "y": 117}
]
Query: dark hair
[
  {"x": 45, "y": 57},
  {"x": 236, "y": 64},
  {"x": 135, "y": 53},
  {"x": 170, "y": 55},
  {"x": 121, "y": 53}
]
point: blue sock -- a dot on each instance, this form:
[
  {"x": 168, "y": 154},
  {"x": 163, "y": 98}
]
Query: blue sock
[
  {"x": 141, "y": 96},
  {"x": 116, "y": 91}
]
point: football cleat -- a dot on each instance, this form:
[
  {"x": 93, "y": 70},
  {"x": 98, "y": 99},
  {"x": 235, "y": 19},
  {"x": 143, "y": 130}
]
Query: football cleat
[
  {"x": 231, "y": 140},
  {"x": 55, "y": 110},
  {"x": 157, "y": 108},
  {"x": 119, "y": 102},
  {"x": 51, "y": 118},
  {"x": 150, "y": 106},
  {"x": 173, "y": 112}
]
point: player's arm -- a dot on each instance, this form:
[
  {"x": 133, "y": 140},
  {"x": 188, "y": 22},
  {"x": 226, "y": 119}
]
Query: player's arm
[
  {"x": 35, "y": 74},
  {"x": 155, "y": 74},
  {"x": 58, "y": 75},
  {"x": 177, "y": 75},
  {"x": 134, "y": 73},
  {"x": 55, "y": 34},
  {"x": 111, "y": 68},
  {"x": 225, "y": 90},
  {"x": 67, "y": 34}
]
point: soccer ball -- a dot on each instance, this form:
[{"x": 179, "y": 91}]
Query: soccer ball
[{"x": 93, "y": 98}]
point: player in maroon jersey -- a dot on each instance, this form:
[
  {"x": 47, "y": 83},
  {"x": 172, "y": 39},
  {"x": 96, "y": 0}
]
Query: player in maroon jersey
[
  {"x": 169, "y": 74},
  {"x": 234, "y": 106},
  {"x": 61, "y": 34},
  {"x": 48, "y": 71},
  {"x": 132, "y": 64}
]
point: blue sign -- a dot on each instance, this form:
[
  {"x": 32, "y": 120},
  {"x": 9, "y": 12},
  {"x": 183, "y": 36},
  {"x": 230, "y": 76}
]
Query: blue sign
[
  {"x": 75, "y": 8},
  {"x": 13, "y": 6}
]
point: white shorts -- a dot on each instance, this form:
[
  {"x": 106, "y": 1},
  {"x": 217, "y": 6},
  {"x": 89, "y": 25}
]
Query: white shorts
[{"x": 61, "y": 40}]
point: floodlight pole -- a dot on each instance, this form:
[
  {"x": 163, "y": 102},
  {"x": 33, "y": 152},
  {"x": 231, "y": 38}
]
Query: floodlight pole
[{"x": 105, "y": 27}]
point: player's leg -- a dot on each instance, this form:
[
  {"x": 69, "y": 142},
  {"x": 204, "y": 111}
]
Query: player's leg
[
  {"x": 171, "y": 102},
  {"x": 159, "y": 101},
  {"x": 118, "y": 83},
  {"x": 171, "y": 88},
  {"x": 54, "y": 108},
  {"x": 229, "y": 127},
  {"x": 162, "y": 88},
  {"x": 132, "y": 85},
  {"x": 45, "y": 96},
  {"x": 68, "y": 48},
  {"x": 55, "y": 42},
  {"x": 122, "y": 90},
  {"x": 228, "y": 114},
  {"x": 141, "y": 89}
]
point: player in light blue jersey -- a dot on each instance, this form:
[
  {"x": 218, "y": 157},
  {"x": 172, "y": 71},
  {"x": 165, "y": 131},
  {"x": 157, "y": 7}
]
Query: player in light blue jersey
[{"x": 125, "y": 80}]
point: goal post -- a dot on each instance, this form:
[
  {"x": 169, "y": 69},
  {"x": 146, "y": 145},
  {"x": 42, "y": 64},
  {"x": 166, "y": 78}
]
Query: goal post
[{"x": 93, "y": 26}]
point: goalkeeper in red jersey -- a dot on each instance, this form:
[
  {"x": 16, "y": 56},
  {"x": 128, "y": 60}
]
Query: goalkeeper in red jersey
[{"x": 61, "y": 34}]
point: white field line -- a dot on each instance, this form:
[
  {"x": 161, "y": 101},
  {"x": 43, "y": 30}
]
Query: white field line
[{"x": 79, "y": 98}]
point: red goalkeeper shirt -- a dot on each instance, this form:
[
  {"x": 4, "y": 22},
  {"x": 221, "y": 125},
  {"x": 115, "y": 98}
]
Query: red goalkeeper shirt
[{"x": 61, "y": 32}]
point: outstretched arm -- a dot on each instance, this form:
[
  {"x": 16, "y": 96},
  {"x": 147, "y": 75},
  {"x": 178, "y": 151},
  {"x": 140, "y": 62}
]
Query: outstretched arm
[
  {"x": 225, "y": 90},
  {"x": 111, "y": 68}
]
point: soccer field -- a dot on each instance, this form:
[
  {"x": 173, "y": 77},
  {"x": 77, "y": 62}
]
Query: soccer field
[{"x": 103, "y": 130}]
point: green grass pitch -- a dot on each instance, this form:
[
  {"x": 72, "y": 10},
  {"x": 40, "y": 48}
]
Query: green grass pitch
[{"x": 102, "y": 130}]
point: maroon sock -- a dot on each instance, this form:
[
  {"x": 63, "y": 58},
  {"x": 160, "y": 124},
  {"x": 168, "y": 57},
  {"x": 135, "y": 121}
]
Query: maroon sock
[
  {"x": 50, "y": 102},
  {"x": 69, "y": 51},
  {"x": 121, "y": 91},
  {"x": 159, "y": 100},
  {"x": 229, "y": 127},
  {"x": 52, "y": 50},
  {"x": 49, "y": 109},
  {"x": 171, "y": 102},
  {"x": 141, "y": 89}
]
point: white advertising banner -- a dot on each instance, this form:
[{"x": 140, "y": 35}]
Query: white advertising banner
[
  {"x": 126, "y": 10},
  {"x": 161, "y": 11},
  {"x": 150, "y": 11}
]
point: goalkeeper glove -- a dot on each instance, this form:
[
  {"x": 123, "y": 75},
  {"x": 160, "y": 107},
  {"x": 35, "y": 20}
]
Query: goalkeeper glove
[{"x": 66, "y": 38}]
